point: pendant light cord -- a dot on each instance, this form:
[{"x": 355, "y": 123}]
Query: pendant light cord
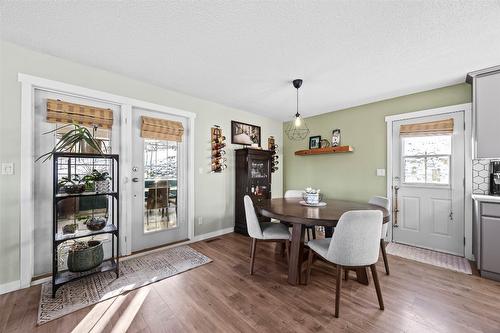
[{"x": 297, "y": 114}]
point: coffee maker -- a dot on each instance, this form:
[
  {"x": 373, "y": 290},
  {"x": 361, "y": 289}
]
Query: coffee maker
[{"x": 495, "y": 178}]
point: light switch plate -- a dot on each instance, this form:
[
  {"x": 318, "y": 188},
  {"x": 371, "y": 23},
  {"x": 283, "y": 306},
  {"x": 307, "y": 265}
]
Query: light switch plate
[
  {"x": 7, "y": 169},
  {"x": 381, "y": 172}
]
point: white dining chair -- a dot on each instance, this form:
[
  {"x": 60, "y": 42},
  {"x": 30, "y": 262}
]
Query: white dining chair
[
  {"x": 264, "y": 231},
  {"x": 382, "y": 202},
  {"x": 354, "y": 244},
  {"x": 300, "y": 194}
]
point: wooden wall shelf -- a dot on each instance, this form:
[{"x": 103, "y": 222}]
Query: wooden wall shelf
[{"x": 326, "y": 150}]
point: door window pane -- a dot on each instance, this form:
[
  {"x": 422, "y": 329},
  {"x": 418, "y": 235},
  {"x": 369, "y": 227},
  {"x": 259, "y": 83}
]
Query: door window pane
[
  {"x": 426, "y": 159},
  {"x": 160, "y": 185}
]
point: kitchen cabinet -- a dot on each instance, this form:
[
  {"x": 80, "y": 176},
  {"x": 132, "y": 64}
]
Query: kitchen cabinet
[
  {"x": 486, "y": 108},
  {"x": 487, "y": 236}
]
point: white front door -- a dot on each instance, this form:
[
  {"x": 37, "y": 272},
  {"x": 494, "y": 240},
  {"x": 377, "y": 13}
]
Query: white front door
[
  {"x": 428, "y": 176},
  {"x": 159, "y": 214}
]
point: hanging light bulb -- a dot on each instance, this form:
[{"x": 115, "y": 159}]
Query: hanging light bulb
[{"x": 297, "y": 130}]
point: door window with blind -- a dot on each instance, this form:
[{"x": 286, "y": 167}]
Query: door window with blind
[{"x": 426, "y": 152}]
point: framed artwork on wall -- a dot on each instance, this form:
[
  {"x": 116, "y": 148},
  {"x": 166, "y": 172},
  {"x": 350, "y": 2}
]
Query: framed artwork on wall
[
  {"x": 244, "y": 134},
  {"x": 336, "y": 137},
  {"x": 315, "y": 142}
]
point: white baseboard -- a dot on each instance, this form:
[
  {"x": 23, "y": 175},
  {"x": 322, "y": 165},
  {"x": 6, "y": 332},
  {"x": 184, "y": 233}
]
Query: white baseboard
[
  {"x": 9, "y": 286},
  {"x": 198, "y": 238}
]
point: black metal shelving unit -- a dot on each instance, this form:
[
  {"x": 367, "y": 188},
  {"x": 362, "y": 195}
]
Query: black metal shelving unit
[{"x": 66, "y": 164}]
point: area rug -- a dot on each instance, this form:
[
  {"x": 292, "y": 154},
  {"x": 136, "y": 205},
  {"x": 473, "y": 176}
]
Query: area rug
[
  {"x": 434, "y": 258},
  {"x": 134, "y": 273}
]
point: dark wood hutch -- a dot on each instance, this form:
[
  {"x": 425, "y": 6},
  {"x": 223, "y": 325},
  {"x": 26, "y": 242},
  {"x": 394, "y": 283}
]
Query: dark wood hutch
[{"x": 253, "y": 177}]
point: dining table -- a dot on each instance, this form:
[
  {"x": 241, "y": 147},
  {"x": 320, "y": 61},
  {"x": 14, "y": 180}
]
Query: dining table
[{"x": 290, "y": 211}]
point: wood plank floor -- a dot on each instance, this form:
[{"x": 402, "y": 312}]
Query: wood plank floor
[{"x": 223, "y": 297}]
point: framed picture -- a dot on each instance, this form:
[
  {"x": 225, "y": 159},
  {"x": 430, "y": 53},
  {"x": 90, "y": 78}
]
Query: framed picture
[
  {"x": 315, "y": 142},
  {"x": 244, "y": 134},
  {"x": 336, "y": 137}
]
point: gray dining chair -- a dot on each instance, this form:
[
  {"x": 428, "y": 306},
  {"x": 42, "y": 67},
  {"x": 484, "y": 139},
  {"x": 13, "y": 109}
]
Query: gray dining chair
[
  {"x": 300, "y": 194},
  {"x": 354, "y": 245},
  {"x": 263, "y": 231},
  {"x": 382, "y": 202}
]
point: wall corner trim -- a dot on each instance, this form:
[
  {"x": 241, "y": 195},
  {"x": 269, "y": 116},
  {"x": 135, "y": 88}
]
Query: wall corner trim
[{"x": 10, "y": 286}]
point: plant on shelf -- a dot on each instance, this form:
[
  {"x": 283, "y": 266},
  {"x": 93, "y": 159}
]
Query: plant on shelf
[
  {"x": 100, "y": 179},
  {"x": 71, "y": 140},
  {"x": 84, "y": 255},
  {"x": 96, "y": 223},
  {"x": 72, "y": 185}
]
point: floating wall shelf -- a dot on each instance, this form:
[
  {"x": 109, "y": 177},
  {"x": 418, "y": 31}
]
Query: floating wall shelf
[{"x": 326, "y": 150}]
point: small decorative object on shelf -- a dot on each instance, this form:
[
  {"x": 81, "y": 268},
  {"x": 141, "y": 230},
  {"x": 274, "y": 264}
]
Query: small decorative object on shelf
[
  {"x": 325, "y": 143},
  {"x": 82, "y": 214},
  {"x": 336, "y": 137},
  {"x": 218, "y": 153},
  {"x": 273, "y": 148},
  {"x": 315, "y": 142}
]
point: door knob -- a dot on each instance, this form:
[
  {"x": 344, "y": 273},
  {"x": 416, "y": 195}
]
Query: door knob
[{"x": 135, "y": 180}]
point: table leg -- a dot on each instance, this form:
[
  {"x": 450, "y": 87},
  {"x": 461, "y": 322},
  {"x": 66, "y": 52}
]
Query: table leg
[
  {"x": 296, "y": 254},
  {"x": 362, "y": 275}
]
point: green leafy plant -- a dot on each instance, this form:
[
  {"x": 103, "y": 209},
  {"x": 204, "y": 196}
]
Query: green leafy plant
[
  {"x": 70, "y": 140},
  {"x": 97, "y": 176}
]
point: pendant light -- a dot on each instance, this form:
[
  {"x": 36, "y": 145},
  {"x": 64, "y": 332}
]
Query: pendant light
[{"x": 297, "y": 129}]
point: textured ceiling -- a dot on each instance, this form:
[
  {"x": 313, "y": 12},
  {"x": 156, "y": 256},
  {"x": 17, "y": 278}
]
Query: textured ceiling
[{"x": 244, "y": 54}]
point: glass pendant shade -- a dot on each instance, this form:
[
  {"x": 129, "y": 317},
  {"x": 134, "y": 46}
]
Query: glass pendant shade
[{"x": 297, "y": 129}]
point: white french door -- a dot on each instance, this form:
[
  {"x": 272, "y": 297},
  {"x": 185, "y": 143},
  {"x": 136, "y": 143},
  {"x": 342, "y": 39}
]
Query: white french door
[
  {"x": 159, "y": 196},
  {"x": 428, "y": 182}
]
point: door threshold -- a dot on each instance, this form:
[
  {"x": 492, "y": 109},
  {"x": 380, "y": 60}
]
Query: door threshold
[
  {"x": 155, "y": 248},
  {"x": 430, "y": 249}
]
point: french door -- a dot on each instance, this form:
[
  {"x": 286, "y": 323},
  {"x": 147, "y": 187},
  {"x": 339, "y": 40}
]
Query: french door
[
  {"x": 428, "y": 183},
  {"x": 159, "y": 214}
]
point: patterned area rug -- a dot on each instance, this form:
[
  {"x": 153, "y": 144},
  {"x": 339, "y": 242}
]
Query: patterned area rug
[
  {"x": 435, "y": 258},
  {"x": 134, "y": 273}
]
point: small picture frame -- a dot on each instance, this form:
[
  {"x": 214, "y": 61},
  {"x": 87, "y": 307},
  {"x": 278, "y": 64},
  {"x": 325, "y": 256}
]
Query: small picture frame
[
  {"x": 315, "y": 142},
  {"x": 336, "y": 137}
]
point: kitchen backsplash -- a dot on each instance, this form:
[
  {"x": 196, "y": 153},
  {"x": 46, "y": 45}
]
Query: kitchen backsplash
[{"x": 481, "y": 176}]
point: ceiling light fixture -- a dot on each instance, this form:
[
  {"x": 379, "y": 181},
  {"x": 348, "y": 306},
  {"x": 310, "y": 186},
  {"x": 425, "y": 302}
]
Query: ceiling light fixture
[{"x": 297, "y": 130}]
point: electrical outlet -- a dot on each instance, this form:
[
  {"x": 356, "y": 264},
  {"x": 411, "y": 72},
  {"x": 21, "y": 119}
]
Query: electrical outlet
[
  {"x": 7, "y": 169},
  {"x": 200, "y": 220},
  {"x": 381, "y": 172}
]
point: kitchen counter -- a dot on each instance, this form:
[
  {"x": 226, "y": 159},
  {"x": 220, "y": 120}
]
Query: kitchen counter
[{"x": 486, "y": 198}]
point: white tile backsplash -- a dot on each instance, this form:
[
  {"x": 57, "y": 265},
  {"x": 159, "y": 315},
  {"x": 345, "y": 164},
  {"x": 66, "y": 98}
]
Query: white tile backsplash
[{"x": 481, "y": 176}]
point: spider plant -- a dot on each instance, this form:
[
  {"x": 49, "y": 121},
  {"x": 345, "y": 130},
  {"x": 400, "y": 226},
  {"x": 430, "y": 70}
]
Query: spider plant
[{"x": 70, "y": 140}]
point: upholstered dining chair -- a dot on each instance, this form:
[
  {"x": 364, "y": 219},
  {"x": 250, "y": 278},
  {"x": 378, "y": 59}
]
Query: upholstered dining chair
[
  {"x": 354, "y": 244},
  {"x": 382, "y": 202},
  {"x": 300, "y": 194},
  {"x": 265, "y": 231}
]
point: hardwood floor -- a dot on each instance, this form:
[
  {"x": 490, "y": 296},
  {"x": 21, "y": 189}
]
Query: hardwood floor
[{"x": 223, "y": 297}]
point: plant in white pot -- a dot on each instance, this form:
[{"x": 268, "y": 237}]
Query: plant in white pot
[{"x": 101, "y": 180}]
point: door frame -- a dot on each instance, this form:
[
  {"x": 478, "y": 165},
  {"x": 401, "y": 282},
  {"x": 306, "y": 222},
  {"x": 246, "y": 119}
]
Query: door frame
[
  {"x": 27, "y": 215},
  {"x": 467, "y": 110}
]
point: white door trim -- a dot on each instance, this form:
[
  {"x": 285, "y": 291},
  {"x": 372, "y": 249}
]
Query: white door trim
[
  {"x": 28, "y": 85},
  {"x": 466, "y": 108}
]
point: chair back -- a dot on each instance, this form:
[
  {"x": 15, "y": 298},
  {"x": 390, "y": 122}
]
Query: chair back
[
  {"x": 356, "y": 239},
  {"x": 294, "y": 194},
  {"x": 382, "y": 202},
  {"x": 253, "y": 225}
]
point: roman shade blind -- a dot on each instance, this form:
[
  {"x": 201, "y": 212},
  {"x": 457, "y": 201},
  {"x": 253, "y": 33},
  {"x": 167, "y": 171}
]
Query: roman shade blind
[
  {"x": 64, "y": 112},
  {"x": 160, "y": 129},
  {"x": 440, "y": 127}
]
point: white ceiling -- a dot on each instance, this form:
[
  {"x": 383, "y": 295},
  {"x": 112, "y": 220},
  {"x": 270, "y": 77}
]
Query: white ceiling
[{"x": 244, "y": 54}]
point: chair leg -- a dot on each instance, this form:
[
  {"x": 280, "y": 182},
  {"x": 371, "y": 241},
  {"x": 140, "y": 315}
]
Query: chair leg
[
  {"x": 314, "y": 232},
  {"x": 337, "y": 291},
  {"x": 377, "y": 286},
  {"x": 346, "y": 274},
  {"x": 308, "y": 236},
  {"x": 384, "y": 256},
  {"x": 287, "y": 249},
  {"x": 252, "y": 254},
  {"x": 309, "y": 264}
]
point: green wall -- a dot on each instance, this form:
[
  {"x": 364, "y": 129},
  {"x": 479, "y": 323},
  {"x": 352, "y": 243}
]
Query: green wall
[
  {"x": 352, "y": 176},
  {"x": 214, "y": 193}
]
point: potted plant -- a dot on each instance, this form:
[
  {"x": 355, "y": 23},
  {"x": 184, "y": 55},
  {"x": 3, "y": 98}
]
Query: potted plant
[
  {"x": 100, "y": 179},
  {"x": 77, "y": 137},
  {"x": 96, "y": 223},
  {"x": 75, "y": 184},
  {"x": 85, "y": 255}
]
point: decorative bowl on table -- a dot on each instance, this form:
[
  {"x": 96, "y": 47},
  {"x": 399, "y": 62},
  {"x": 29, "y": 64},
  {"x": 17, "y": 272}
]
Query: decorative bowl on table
[{"x": 312, "y": 198}]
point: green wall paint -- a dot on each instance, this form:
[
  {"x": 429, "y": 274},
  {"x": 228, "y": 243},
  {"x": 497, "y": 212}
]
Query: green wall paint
[
  {"x": 352, "y": 176},
  {"x": 214, "y": 193}
]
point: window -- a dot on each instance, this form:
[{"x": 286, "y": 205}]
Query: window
[{"x": 426, "y": 159}]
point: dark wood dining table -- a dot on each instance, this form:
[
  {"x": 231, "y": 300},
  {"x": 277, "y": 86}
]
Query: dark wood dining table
[{"x": 292, "y": 212}]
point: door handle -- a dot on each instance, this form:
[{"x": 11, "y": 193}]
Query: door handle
[
  {"x": 395, "y": 207},
  {"x": 135, "y": 180}
]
